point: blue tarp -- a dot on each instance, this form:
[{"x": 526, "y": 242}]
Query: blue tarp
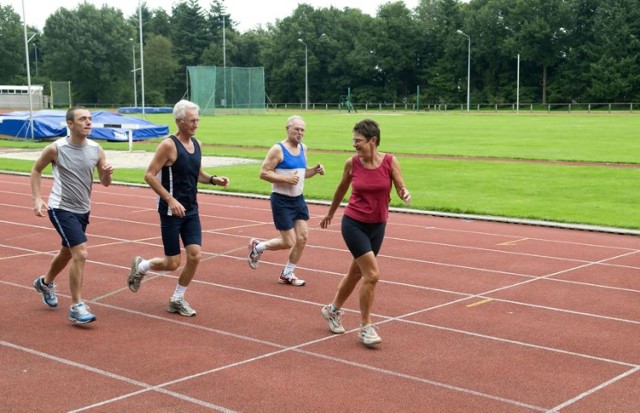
[
  {"x": 106, "y": 125},
  {"x": 136, "y": 109}
]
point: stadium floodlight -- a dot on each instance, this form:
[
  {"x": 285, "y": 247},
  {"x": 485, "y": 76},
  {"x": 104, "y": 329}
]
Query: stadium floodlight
[
  {"x": 26, "y": 53},
  {"x": 141, "y": 55},
  {"x": 468, "y": 66},
  {"x": 135, "y": 87},
  {"x": 35, "y": 50},
  {"x": 306, "y": 75}
]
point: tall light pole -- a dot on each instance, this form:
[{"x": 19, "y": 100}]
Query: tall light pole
[
  {"x": 306, "y": 75},
  {"x": 26, "y": 53},
  {"x": 224, "y": 56},
  {"x": 141, "y": 55},
  {"x": 135, "y": 87},
  {"x": 35, "y": 49},
  {"x": 468, "y": 67}
]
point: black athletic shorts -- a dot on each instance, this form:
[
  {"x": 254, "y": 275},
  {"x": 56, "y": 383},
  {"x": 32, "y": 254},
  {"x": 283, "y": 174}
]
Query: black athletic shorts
[
  {"x": 173, "y": 228},
  {"x": 362, "y": 237}
]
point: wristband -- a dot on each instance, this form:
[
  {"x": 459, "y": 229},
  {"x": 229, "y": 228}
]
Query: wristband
[{"x": 211, "y": 179}]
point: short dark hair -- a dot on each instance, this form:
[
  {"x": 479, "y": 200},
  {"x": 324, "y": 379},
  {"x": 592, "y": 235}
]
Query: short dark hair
[
  {"x": 368, "y": 128},
  {"x": 71, "y": 113}
]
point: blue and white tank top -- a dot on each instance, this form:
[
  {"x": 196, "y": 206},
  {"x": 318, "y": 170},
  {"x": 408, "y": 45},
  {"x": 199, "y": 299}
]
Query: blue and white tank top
[
  {"x": 181, "y": 178},
  {"x": 291, "y": 165},
  {"x": 73, "y": 176}
]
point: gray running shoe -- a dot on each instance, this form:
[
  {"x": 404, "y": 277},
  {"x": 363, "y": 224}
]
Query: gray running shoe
[
  {"x": 182, "y": 307},
  {"x": 135, "y": 276},
  {"x": 254, "y": 256},
  {"x": 48, "y": 292},
  {"x": 369, "y": 335},
  {"x": 334, "y": 319}
]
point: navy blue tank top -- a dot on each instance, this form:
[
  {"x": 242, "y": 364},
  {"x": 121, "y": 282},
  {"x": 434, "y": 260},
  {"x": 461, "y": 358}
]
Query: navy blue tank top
[{"x": 181, "y": 178}]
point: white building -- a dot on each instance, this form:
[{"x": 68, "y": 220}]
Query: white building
[{"x": 17, "y": 97}]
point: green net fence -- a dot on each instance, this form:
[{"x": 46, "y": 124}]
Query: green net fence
[
  {"x": 229, "y": 90},
  {"x": 60, "y": 94}
]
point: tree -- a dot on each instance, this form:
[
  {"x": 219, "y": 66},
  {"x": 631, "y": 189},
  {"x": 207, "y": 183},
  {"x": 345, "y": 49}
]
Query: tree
[
  {"x": 160, "y": 66},
  {"x": 13, "y": 67},
  {"x": 189, "y": 33},
  {"x": 539, "y": 29},
  {"x": 443, "y": 60},
  {"x": 221, "y": 30},
  {"x": 89, "y": 47},
  {"x": 394, "y": 49},
  {"x": 249, "y": 47},
  {"x": 613, "y": 72}
]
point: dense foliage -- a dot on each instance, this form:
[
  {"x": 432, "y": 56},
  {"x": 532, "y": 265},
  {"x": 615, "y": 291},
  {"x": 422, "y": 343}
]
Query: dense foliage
[{"x": 569, "y": 51}]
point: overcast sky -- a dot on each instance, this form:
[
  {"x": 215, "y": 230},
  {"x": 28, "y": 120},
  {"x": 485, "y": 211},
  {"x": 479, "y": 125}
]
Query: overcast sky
[{"x": 248, "y": 14}]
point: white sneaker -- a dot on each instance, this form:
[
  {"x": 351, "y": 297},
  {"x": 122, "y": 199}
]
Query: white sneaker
[
  {"x": 135, "y": 276},
  {"x": 182, "y": 307},
  {"x": 369, "y": 335},
  {"x": 254, "y": 256},
  {"x": 334, "y": 319},
  {"x": 291, "y": 279}
]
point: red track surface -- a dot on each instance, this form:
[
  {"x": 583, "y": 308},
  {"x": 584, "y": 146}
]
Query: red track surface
[{"x": 475, "y": 317}]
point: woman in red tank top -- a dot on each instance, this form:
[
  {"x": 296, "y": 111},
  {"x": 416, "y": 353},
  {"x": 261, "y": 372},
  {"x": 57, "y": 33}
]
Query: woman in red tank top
[{"x": 370, "y": 174}]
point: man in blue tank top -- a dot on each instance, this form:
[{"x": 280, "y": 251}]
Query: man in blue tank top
[
  {"x": 73, "y": 159},
  {"x": 285, "y": 167},
  {"x": 173, "y": 174}
]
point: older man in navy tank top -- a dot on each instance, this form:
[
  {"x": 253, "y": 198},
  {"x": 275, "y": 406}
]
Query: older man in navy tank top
[{"x": 173, "y": 174}]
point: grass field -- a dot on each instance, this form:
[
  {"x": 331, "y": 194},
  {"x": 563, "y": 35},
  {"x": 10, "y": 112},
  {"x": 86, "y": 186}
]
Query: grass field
[{"x": 488, "y": 164}]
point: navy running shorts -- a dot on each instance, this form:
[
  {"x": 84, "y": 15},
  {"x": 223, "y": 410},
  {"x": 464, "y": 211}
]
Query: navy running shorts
[
  {"x": 70, "y": 226},
  {"x": 362, "y": 237},
  {"x": 287, "y": 210},
  {"x": 187, "y": 228}
]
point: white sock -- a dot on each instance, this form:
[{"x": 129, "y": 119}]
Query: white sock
[
  {"x": 144, "y": 266},
  {"x": 179, "y": 292},
  {"x": 288, "y": 269},
  {"x": 261, "y": 247}
]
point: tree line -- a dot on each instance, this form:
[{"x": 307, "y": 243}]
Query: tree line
[{"x": 560, "y": 50}]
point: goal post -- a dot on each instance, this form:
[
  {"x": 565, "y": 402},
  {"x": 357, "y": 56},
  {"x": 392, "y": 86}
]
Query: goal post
[{"x": 60, "y": 94}]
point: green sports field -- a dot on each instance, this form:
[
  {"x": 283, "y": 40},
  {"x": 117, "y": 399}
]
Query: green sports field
[{"x": 572, "y": 168}]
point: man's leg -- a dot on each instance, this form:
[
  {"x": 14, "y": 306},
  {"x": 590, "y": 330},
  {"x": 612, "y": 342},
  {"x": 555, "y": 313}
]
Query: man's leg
[
  {"x": 76, "y": 271},
  {"x": 79, "y": 311},
  {"x": 177, "y": 303},
  {"x": 301, "y": 232},
  {"x": 286, "y": 241},
  {"x": 170, "y": 230},
  {"x": 58, "y": 264},
  {"x": 194, "y": 255},
  {"x": 45, "y": 284}
]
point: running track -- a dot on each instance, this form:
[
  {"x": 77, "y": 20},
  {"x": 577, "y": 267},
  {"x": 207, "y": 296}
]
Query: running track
[{"x": 475, "y": 316}]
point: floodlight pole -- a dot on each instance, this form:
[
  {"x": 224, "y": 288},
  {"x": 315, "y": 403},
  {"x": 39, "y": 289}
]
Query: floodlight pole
[
  {"x": 141, "y": 55},
  {"x": 35, "y": 50},
  {"x": 306, "y": 75},
  {"x": 468, "y": 66},
  {"x": 26, "y": 52},
  {"x": 135, "y": 88},
  {"x": 224, "y": 56}
]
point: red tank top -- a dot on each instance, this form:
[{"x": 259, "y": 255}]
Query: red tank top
[{"x": 370, "y": 191}]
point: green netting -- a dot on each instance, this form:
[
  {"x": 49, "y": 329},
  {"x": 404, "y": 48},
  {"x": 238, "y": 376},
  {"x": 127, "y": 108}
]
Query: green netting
[
  {"x": 231, "y": 89},
  {"x": 60, "y": 94}
]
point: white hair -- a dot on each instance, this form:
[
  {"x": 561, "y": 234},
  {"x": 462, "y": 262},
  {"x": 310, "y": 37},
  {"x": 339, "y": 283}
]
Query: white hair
[
  {"x": 293, "y": 119},
  {"x": 182, "y": 106}
]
